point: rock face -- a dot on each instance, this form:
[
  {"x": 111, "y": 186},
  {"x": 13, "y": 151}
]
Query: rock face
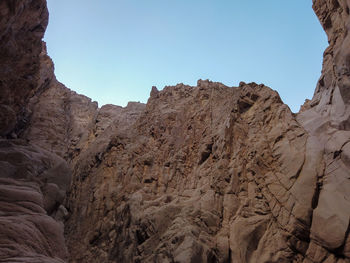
[
  {"x": 33, "y": 181},
  {"x": 33, "y": 184},
  {"x": 203, "y": 170},
  {"x": 327, "y": 120},
  {"x": 200, "y": 174},
  {"x": 22, "y": 26}
]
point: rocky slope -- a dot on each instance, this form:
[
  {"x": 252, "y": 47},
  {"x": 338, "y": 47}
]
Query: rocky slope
[{"x": 200, "y": 174}]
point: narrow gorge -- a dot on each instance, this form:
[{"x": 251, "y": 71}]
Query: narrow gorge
[{"x": 208, "y": 173}]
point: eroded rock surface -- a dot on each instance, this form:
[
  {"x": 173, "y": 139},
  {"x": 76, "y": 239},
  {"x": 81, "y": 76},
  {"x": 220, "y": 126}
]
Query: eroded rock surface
[
  {"x": 327, "y": 118},
  {"x": 200, "y": 174},
  {"x": 33, "y": 181},
  {"x": 33, "y": 185},
  {"x": 199, "y": 177},
  {"x": 22, "y": 26}
]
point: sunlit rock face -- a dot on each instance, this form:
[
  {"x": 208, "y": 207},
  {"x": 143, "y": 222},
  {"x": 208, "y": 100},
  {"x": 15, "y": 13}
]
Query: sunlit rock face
[
  {"x": 327, "y": 120},
  {"x": 199, "y": 174},
  {"x": 205, "y": 174}
]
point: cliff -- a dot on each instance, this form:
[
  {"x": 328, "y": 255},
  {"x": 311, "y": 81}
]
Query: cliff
[{"x": 199, "y": 174}]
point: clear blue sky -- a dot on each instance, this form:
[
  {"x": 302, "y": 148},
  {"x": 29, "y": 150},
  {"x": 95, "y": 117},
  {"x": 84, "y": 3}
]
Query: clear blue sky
[{"x": 114, "y": 51}]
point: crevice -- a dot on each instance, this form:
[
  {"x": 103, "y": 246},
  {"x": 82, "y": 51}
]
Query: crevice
[
  {"x": 316, "y": 195},
  {"x": 337, "y": 153},
  {"x": 335, "y": 4},
  {"x": 206, "y": 153},
  {"x": 327, "y": 23},
  {"x": 229, "y": 255},
  {"x": 331, "y": 97},
  {"x": 244, "y": 106}
]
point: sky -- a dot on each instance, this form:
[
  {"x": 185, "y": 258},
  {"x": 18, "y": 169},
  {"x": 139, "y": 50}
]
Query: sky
[{"x": 114, "y": 51}]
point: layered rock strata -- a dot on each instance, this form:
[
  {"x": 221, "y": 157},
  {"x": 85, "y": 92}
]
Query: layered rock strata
[{"x": 200, "y": 174}]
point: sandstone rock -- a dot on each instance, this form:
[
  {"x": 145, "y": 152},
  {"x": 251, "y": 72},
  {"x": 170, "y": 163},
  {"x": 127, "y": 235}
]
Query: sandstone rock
[
  {"x": 27, "y": 232},
  {"x": 327, "y": 119},
  {"x": 162, "y": 155},
  {"x": 22, "y": 26},
  {"x": 32, "y": 183}
]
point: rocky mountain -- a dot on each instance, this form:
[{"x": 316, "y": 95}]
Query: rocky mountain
[{"x": 199, "y": 174}]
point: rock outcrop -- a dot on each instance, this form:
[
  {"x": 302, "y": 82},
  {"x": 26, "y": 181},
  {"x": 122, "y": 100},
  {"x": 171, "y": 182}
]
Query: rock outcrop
[
  {"x": 203, "y": 169},
  {"x": 199, "y": 174},
  {"x": 33, "y": 181},
  {"x": 33, "y": 184},
  {"x": 22, "y": 26},
  {"x": 327, "y": 118}
]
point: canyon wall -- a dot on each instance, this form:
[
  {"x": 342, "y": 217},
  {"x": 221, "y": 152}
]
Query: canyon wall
[
  {"x": 33, "y": 180},
  {"x": 199, "y": 174}
]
